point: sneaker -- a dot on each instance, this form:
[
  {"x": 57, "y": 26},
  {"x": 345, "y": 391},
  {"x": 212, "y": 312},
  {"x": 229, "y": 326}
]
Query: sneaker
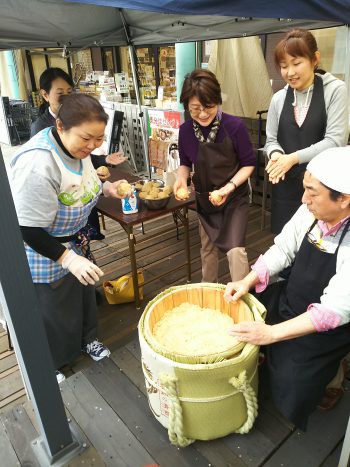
[
  {"x": 60, "y": 376},
  {"x": 96, "y": 350}
]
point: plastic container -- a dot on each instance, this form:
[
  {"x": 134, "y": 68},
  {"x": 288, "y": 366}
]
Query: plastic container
[{"x": 130, "y": 204}]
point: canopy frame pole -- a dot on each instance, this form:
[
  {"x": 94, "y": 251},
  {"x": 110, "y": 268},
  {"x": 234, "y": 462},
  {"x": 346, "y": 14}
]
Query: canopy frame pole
[
  {"x": 141, "y": 114},
  {"x": 21, "y": 311},
  {"x": 344, "y": 460},
  {"x": 347, "y": 60}
]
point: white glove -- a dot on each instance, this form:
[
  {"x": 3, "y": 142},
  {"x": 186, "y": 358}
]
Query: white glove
[
  {"x": 111, "y": 189},
  {"x": 107, "y": 189},
  {"x": 83, "y": 269}
]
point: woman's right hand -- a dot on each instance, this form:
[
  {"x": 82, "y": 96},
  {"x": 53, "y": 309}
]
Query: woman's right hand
[
  {"x": 84, "y": 270},
  {"x": 271, "y": 165},
  {"x": 179, "y": 183},
  {"x": 110, "y": 189},
  {"x": 235, "y": 290},
  {"x": 274, "y": 157}
]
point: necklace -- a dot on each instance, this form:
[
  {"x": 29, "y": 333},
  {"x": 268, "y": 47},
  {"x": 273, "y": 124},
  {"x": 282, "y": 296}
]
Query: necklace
[{"x": 300, "y": 111}]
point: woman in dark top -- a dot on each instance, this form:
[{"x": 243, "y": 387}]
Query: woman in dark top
[
  {"x": 217, "y": 145},
  {"x": 306, "y": 117},
  {"x": 54, "y": 83}
]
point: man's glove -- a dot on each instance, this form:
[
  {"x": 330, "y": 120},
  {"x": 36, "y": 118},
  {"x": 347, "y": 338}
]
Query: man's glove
[{"x": 83, "y": 269}]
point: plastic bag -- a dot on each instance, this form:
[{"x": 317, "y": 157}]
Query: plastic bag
[
  {"x": 121, "y": 290},
  {"x": 173, "y": 162}
]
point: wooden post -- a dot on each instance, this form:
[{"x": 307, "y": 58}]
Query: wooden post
[{"x": 28, "y": 333}]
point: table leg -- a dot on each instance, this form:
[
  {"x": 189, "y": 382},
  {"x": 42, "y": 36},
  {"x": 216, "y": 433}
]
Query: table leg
[
  {"x": 9, "y": 342},
  {"x": 131, "y": 241},
  {"x": 264, "y": 196},
  {"x": 187, "y": 243},
  {"x": 175, "y": 217}
]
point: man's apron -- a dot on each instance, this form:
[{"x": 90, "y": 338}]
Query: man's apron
[
  {"x": 79, "y": 192},
  {"x": 225, "y": 225},
  {"x": 299, "y": 369},
  {"x": 287, "y": 194}
]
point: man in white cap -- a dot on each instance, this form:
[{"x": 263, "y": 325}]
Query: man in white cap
[{"x": 308, "y": 315}]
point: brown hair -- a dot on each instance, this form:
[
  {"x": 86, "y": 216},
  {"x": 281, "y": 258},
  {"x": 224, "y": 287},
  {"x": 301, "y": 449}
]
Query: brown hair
[
  {"x": 297, "y": 43},
  {"x": 77, "y": 108},
  {"x": 203, "y": 85}
]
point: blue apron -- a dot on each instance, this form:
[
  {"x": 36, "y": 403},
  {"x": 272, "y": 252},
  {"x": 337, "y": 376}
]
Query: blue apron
[{"x": 78, "y": 194}]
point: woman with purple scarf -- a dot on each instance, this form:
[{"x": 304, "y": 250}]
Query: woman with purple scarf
[{"x": 216, "y": 146}]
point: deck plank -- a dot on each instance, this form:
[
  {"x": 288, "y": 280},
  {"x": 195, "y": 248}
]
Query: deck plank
[
  {"x": 7, "y": 360},
  {"x": 264, "y": 438},
  {"x": 21, "y": 432},
  {"x": 88, "y": 457},
  {"x": 13, "y": 400},
  {"x": 216, "y": 452},
  {"x": 8, "y": 454},
  {"x": 325, "y": 431},
  {"x": 132, "y": 407},
  {"x": 333, "y": 459},
  {"x": 117, "y": 446},
  {"x": 3, "y": 341},
  {"x": 10, "y": 383},
  {"x": 131, "y": 367}
]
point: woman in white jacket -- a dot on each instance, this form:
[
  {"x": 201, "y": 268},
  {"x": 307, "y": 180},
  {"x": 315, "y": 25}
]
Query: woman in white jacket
[{"x": 306, "y": 117}]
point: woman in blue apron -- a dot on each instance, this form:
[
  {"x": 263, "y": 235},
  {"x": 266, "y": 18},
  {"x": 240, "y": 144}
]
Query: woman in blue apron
[
  {"x": 308, "y": 315},
  {"x": 55, "y": 82},
  {"x": 55, "y": 187},
  {"x": 217, "y": 146},
  {"x": 306, "y": 117}
]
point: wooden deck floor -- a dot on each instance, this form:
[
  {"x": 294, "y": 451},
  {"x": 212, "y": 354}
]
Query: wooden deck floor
[
  {"x": 155, "y": 253},
  {"x": 108, "y": 400}
]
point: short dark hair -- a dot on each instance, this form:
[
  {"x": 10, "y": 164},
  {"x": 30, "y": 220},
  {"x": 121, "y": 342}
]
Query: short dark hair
[
  {"x": 50, "y": 74},
  {"x": 78, "y": 108},
  {"x": 202, "y": 84},
  {"x": 46, "y": 79},
  {"x": 298, "y": 43},
  {"x": 333, "y": 194}
]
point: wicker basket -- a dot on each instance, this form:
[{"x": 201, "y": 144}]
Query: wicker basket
[{"x": 200, "y": 400}]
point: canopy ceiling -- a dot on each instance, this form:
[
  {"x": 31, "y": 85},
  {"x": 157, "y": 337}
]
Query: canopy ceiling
[
  {"x": 325, "y": 10},
  {"x": 51, "y": 23}
]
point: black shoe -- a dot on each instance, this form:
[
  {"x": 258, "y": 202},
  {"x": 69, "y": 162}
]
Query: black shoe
[{"x": 98, "y": 236}]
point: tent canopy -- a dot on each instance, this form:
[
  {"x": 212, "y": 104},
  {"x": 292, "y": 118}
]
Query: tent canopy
[
  {"x": 55, "y": 23},
  {"x": 302, "y": 9}
]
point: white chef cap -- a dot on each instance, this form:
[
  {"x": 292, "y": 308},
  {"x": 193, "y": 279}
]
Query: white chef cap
[{"x": 332, "y": 168}]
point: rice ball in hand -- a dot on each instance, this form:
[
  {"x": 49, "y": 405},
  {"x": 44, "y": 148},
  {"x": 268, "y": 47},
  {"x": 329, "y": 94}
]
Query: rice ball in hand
[
  {"x": 103, "y": 171},
  {"x": 182, "y": 193},
  {"x": 215, "y": 196},
  {"x": 124, "y": 188}
]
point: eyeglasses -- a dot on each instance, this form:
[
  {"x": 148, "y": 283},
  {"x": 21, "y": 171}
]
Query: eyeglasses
[
  {"x": 317, "y": 242},
  {"x": 196, "y": 110}
]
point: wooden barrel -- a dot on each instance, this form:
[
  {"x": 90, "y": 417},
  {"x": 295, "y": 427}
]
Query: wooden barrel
[{"x": 212, "y": 396}]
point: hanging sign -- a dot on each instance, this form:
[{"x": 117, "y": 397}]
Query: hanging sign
[{"x": 164, "y": 125}]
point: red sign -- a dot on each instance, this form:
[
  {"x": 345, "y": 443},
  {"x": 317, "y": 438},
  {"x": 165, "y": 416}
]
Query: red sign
[{"x": 164, "y": 119}]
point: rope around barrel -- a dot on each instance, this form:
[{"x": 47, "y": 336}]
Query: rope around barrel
[
  {"x": 241, "y": 383},
  {"x": 175, "y": 428}
]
